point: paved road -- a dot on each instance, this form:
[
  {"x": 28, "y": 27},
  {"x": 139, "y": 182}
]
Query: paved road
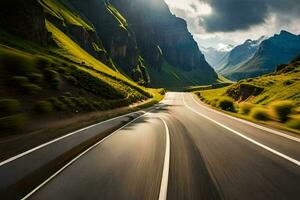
[{"x": 183, "y": 150}]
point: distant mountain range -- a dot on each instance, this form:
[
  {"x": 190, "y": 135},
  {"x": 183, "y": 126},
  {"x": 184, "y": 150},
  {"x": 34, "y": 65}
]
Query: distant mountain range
[{"x": 256, "y": 57}]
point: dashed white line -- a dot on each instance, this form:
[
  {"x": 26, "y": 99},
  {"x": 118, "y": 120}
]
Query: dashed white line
[{"x": 292, "y": 160}]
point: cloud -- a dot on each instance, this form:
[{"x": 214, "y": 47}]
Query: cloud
[
  {"x": 234, "y": 21},
  {"x": 231, "y": 15}
]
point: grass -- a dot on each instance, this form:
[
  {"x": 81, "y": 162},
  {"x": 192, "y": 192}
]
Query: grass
[
  {"x": 294, "y": 122},
  {"x": 245, "y": 108},
  {"x": 43, "y": 107},
  {"x": 277, "y": 102},
  {"x": 9, "y": 106},
  {"x": 60, "y": 11},
  {"x": 12, "y": 123},
  {"x": 117, "y": 15}
]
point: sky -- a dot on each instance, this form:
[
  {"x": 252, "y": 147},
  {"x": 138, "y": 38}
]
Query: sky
[{"x": 218, "y": 23}]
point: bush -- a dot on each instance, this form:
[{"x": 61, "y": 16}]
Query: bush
[
  {"x": 261, "y": 114},
  {"x": 72, "y": 80},
  {"x": 30, "y": 88},
  {"x": 43, "y": 107},
  {"x": 19, "y": 80},
  {"x": 13, "y": 123},
  {"x": 9, "y": 106},
  {"x": 35, "y": 78},
  {"x": 226, "y": 104},
  {"x": 288, "y": 82},
  {"x": 162, "y": 91},
  {"x": 282, "y": 109},
  {"x": 51, "y": 74},
  {"x": 245, "y": 108},
  {"x": 214, "y": 102},
  {"x": 67, "y": 101},
  {"x": 294, "y": 123},
  {"x": 55, "y": 83},
  {"x": 57, "y": 104}
]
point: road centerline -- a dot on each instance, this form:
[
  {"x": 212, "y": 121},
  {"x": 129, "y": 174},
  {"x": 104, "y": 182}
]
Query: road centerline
[
  {"x": 292, "y": 160},
  {"x": 165, "y": 175}
]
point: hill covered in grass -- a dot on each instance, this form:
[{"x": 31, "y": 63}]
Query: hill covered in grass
[
  {"x": 51, "y": 68},
  {"x": 274, "y": 96},
  {"x": 283, "y": 84},
  {"x": 131, "y": 37}
]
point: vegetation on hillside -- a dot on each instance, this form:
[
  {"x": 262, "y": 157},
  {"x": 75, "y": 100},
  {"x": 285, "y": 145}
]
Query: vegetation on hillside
[{"x": 272, "y": 97}]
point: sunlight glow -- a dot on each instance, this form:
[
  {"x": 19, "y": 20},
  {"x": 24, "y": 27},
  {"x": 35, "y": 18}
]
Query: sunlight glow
[{"x": 194, "y": 7}]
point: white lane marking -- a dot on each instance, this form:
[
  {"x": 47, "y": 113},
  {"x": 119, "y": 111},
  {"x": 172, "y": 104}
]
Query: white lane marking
[
  {"x": 60, "y": 138},
  {"x": 296, "y": 162},
  {"x": 80, "y": 155},
  {"x": 165, "y": 175},
  {"x": 251, "y": 123}
]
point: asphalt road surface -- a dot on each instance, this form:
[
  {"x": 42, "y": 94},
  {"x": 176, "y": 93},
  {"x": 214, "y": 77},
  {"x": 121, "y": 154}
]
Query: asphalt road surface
[{"x": 183, "y": 150}]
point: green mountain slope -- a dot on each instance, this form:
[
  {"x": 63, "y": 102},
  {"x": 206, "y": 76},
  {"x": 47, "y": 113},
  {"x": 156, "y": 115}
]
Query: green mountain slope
[
  {"x": 47, "y": 75},
  {"x": 280, "y": 48}
]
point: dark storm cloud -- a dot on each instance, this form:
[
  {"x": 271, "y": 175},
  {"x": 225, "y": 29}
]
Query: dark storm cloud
[{"x": 231, "y": 15}]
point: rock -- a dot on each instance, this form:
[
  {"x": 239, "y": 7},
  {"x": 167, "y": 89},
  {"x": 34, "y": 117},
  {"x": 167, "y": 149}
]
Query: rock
[{"x": 243, "y": 91}]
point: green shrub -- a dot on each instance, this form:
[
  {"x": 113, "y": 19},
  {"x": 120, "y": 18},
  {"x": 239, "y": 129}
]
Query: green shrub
[
  {"x": 288, "y": 82},
  {"x": 57, "y": 104},
  {"x": 245, "y": 108},
  {"x": 72, "y": 80},
  {"x": 67, "y": 101},
  {"x": 13, "y": 122},
  {"x": 43, "y": 107},
  {"x": 198, "y": 94},
  {"x": 51, "y": 74},
  {"x": 35, "y": 78},
  {"x": 9, "y": 106},
  {"x": 261, "y": 114},
  {"x": 162, "y": 91},
  {"x": 55, "y": 83},
  {"x": 226, "y": 104},
  {"x": 214, "y": 102},
  {"x": 19, "y": 80},
  {"x": 297, "y": 110},
  {"x": 282, "y": 109},
  {"x": 294, "y": 123},
  {"x": 29, "y": 88}
]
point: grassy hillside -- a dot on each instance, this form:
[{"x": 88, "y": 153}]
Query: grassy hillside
[
  {"x": 278, "y": 90},
  {"x": 60, "y": 11},
  {"x": 174, "y": 78},
  {"x": 57, "y": 82}
]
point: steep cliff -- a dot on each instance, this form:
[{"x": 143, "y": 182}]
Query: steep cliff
[
  {"x": 158, "y": 31},
  {"x": 141, "y": 39},
  {"x": 24, "y": 18}
]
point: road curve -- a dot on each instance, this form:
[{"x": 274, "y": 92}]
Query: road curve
[{"x": 210, "y": 156}]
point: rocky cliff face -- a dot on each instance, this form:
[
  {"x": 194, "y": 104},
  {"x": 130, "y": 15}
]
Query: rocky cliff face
[
  {"x": 128, "y": 35},
  {"x": 24, "y": 18},
  {"x": 157, "y": 29}
]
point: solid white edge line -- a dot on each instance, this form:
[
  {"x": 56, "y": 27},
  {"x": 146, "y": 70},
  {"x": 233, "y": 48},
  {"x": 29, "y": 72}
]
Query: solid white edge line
[
  {"x": 165, "y": 175},
  {"x": 250, "y": 123},
  {"x": 62, "y": 137},
  {"x": 80, "y": 155},
  {"x": 296, "y": 162}
]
